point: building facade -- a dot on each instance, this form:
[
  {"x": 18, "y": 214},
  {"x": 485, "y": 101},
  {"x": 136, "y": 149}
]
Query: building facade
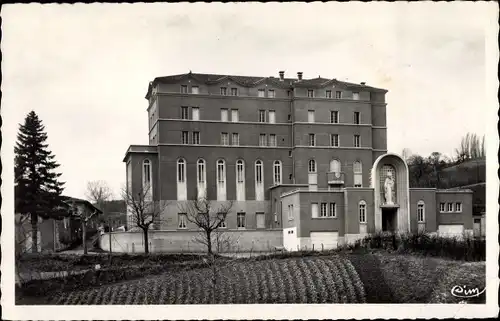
[{"x": 304, "y": 157}]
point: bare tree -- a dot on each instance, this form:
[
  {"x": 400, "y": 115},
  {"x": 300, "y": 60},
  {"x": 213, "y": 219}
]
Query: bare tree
[
  {"x": 85, "y": 216},
  {"x": 208, "y": 219},
  {"x": 471, "y": 147},
  {"x": 143, "y": 210},
  {"x": 98, "y": 192}
]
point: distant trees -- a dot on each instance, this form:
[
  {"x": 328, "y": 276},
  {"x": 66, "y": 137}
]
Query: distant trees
[
  {"x": 471, "y": 147},
  {"x": 38, "y": 191},
  {"x": 99, "y": 193}
]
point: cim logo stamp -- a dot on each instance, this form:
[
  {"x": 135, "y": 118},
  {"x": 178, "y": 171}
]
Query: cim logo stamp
[{"x": 461, "y": 291}]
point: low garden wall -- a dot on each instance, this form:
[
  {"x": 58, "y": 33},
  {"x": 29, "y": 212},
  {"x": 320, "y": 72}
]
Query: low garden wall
[{"x": 186, "y": 241}]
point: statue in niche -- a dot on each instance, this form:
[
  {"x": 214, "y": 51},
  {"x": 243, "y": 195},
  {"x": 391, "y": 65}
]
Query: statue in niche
[{"x": 389, "y": 189}]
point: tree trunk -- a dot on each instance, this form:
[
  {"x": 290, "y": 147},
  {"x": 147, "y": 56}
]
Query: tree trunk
[
  {"x": 34, "y": 233},
  {"x": 209, "y": 242},
  {"x": 146, "y": 240}
]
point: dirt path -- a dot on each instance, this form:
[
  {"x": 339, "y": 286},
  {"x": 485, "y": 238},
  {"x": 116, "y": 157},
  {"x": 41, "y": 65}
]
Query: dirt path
[{"x": 376, "y": 288}]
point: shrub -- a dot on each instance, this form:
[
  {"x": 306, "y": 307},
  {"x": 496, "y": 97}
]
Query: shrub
[{"x": 463, "y": 248}]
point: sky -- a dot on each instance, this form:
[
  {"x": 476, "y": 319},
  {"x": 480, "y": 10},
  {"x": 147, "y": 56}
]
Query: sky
[{"x": 85, "y": 68}]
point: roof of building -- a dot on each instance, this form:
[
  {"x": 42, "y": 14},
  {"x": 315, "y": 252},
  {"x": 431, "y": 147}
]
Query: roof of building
[
  {"x": 252, "y": 81},
  {"x": 69, "y": 199}
]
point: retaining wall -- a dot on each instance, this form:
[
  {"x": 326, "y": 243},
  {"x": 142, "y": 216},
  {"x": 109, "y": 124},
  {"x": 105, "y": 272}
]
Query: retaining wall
[{"x": 187, "y": 241}]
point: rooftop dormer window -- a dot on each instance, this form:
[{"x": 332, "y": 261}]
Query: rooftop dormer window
[
  {"x": 184, "y": 89},
  {"x": 234, "y": 91},
  {"x": 223, "y": 91}
]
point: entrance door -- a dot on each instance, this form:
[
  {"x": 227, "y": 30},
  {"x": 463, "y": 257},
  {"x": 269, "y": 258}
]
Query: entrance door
[
  {"x": 477, "y": 227},
  {"x": 389, "y": 219}
]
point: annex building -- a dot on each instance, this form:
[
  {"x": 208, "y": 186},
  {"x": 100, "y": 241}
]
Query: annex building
[{"x": 304, "y": 159}]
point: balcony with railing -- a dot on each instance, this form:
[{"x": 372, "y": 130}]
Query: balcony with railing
[{"x": 335, "y": 178}]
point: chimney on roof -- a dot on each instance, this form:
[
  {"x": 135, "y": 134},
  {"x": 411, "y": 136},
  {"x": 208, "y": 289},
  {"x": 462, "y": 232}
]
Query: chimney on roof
[
  {"x": 299, "y": 75},
  {"x": 282, "y": 75},
  {"x": 363, "y": 83}
]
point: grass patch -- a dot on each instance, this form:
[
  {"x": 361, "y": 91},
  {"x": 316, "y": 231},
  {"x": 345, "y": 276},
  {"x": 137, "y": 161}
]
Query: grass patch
[
  {"x": 321, "y": 277},
  {"x": 455, "y": 248},
  {"x": 396, "y": 278}
]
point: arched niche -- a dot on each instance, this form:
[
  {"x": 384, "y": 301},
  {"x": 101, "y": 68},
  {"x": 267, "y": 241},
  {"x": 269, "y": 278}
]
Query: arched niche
[{"x": 400, "y": 204}]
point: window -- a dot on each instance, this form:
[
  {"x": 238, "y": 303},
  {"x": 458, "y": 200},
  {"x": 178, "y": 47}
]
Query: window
[
  {"x": 356, "y": 117},
  {"x": 289, "y": 153},
  {"x": 258, "y": 171},
  {"x": 289, "y": 117},
  {"x": 310, "y": 116},
  {"x": 358, "y": 174},
  {"x": 312, "y": 166},
  {"x": 184, "y": 113},
  {"x": 420, "y": 211},
  {"x": 290, "y": 212},
  {"x": 261, "y": 220},
  {"x": 324, "y": 209},
  {"x": 362, "y": 212},
  {"x": 234, "y": 115},
  {"x": 196, "y": 138},
  {"x": 262, "y": 140},
  {"x": 272, "y": 116},
  {"x": 182, "y": 218},
  {"x": 181, "y": 170},
  {"x": 195, "y": 90},
  {"x": 328, "y": 94},
  {"x": 335, "y": 166},
  {"x": 184, "y": 89},
  {"x": 201, "y": 171},
  {"x": 355, "y": 96},
  {"x": 272, "y": 140},
  {"x": 223, "y": 91},
  {"x": 223, "y": 114},
  {"x": 146, "y": 172},
  {"x": 312, "y": 140},
  {"x": 262, "y": 116},
  {"x": 196, "y": 113},
  {"x": 271, "y": 93},
  {"x": 262, "y": 93},
  {"x": 442, "y": 207},
  {"x": 288, "y": 93},
  {"x": 221, "y": 172},
  {"x": 224, "y": 139},
  {"x": 338, "y": 95},
  {"x": 240, "y": 171},
  {"x": 314, "y": 210},
  {"x": 458, "y": 207},
  {"x": 277, "y": 173},
  {"x": 356, "y": 141},
  {"x": 222, "y": 221},
  {"x": 450, "y": 207},
  {"x": 236, "y": 139},
  {"x": 234, "y": 91},
  {"x": 334, "y": 117},
  {"x": 310, "y": 93},
  {"x": 334, "y": 140},
  {"x": 185, "y": 138},
  {"x": 241, "y": 220},
  {"x": 333, "y": 210}
]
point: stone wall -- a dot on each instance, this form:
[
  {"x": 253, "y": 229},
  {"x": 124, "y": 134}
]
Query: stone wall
[{"x": 185, "y": 241}]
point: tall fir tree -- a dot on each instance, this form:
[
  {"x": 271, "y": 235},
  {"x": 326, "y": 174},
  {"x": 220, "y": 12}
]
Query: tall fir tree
[{"x": 37, "y": 186}]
